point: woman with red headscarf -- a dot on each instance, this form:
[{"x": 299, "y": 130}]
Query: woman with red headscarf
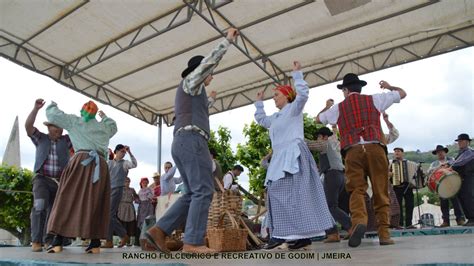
[
  {"x": 297, "y": 205},
  {"x": 82, "y": 204},
  {"x": 145, "y": 205}
]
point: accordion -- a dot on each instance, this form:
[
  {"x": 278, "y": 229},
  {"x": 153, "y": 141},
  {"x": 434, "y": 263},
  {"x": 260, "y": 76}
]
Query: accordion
[{"x": 403, "y": 172}]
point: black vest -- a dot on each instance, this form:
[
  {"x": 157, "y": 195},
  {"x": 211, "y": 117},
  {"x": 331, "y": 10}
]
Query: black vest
[{"x": 191, "y": 110}]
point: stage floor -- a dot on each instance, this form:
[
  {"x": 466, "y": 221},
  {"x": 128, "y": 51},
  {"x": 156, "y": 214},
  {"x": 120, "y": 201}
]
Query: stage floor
[{"x": 408, "y": 250}]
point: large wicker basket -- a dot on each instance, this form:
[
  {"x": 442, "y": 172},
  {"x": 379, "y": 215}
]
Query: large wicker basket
[
  {"x": 224, "y": 200},
  {"x": 224, "y": 238}
]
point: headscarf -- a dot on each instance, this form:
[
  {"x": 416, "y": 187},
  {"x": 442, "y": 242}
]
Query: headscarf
[
  {"x": 287, "y": 91},
  {"x": 143, "y": 179},
  {"x": 88, "y": 111}
]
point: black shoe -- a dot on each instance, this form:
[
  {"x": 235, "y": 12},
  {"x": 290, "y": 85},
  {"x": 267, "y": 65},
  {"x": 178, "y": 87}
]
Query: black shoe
[
  {"x": 56, "y": 245},
  {"x": 274, "y": 243},
  {"x": 357, "y": 235},
  {"x": 301, "y": 243},
  {"x": 470, "y": 222},
  {"x": 66, "y": 241},
  {"x": 95, "y": 243}
]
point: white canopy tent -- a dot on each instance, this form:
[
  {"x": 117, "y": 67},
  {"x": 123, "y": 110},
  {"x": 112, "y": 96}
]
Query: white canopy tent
[{"x": 129, "y": 54}]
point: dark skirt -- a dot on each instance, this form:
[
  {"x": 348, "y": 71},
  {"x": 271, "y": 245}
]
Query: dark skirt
[
  {"x": 130, "y": 227},
  {"x": 81, "y": 208},
  {"x": 145, "y": 208}
]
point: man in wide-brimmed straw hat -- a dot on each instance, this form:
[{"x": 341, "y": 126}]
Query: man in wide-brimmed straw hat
[
  {"x": 52, "y": 155},
  {"x": 358, "y": 119},
  {"x": 190, "y": 152},
  {"x": 464, "y": 165},
  {"x": 445, "y": 161}
]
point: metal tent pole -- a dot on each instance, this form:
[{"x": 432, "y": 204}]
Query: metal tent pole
[{"x": 160, "y": 128}]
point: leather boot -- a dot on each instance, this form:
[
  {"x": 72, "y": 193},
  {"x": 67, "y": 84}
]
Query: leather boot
[
  {"x": 36, "y": 247},
  {"x": 332, "y": 238}
]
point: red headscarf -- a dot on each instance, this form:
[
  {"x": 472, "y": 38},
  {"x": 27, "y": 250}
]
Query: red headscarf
[
  {"x": 288, "y": 91},
  {"x": 89, "y": 110},
  {"x": 143, "y": 180}
]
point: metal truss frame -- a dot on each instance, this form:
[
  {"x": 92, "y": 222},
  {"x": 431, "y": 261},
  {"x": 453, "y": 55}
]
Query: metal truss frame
[
  {"x": 358, "y": 64},
  {"x": 260, "y": 56},
  {"x": 38, "y": 63},
  {"x": 72, "y": 74},
  {"x": 137, "y": 36}
]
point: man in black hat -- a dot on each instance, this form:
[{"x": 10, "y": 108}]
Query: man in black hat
[
  {"x": 191, "y": 154},
  {"x": 330, "y": 164},
  {"x": 445, "y": 161},
  {"x": 52, "y": 154},
  {"x": 358, "y": 119},
  {"x": 464, "y": 165}
]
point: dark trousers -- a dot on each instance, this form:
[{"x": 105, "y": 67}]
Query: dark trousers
[
  {"x": 344, "y": 197},
  {"x": 44, "y": 192},
  {"x": 333, "y": 185},
  {"x": 115, "y": 227},
  {"x": 456, "y": 206},
  {"x": 403, "y": 191},
  {"x": 466, "y": 194}
]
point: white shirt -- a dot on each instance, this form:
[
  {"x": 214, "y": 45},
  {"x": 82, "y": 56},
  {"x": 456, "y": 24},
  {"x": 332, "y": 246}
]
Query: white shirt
[
  {"x": 228, "y": 179},
  {"x": 382, "y": 101}
]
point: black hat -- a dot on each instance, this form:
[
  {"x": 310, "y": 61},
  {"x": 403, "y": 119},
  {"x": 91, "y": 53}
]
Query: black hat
[
  {"x": 118, "y": 147},
  {"x": 325, "y": 131},
  {"x": 193, "y": 63},
  {"x": 440, "y": 148},
  {"x": 463, "y": 136},
  {"x": 398, "y": 148},
  {"x": 351, "y": 79}
]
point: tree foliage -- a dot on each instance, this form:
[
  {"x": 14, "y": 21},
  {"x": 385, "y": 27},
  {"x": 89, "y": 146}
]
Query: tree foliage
[
  {"x": 258, "y": 145},
  {"x": 220, "y": 142},
  {"x": 15, "y": 207},
  {"x": 250, "y": 154}
]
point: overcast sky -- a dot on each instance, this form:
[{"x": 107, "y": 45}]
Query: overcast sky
[{"x": 438, "y": 107}]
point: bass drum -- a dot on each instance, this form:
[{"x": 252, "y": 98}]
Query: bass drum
[{"x": 446, "y": 182}]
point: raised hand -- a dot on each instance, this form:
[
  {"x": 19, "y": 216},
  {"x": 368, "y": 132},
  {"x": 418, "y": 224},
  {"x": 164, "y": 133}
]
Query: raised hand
[
  {"x": 101, "y": 114},
  {"x": 232, "y": 34},
  {"x": 39, "y": 103},
  {"x": 296, "y": 66},
  {"x": 260, "y": 96},
  {"x": 213, "y": 94},
  {"x": 329, "y": 103},
  {"x": 384, "y": 85}
]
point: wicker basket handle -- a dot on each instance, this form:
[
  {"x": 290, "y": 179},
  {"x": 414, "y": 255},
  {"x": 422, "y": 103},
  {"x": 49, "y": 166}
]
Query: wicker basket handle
[
  {"x": 232, "y": 220},
  {"x": 221, "y": 187}
]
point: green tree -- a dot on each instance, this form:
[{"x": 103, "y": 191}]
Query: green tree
[
  {"x": 15, "y": 207},
  {"x": 250, "y": 153},
  {"x": 258, "y": 145},
  {"x": 220, "y": 142}
]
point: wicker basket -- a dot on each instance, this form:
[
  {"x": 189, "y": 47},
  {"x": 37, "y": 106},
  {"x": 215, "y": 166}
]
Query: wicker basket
[
  {"x": 224, "y": 200},
  {"x": 224, "y": 238}
]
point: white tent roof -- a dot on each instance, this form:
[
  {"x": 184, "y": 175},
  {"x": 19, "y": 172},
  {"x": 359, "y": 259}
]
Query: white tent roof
[{"x": 130, "y": 54}]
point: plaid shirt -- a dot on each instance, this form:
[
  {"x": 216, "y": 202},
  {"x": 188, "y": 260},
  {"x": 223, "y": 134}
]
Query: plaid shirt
[{"x": 50, "y": 166}]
